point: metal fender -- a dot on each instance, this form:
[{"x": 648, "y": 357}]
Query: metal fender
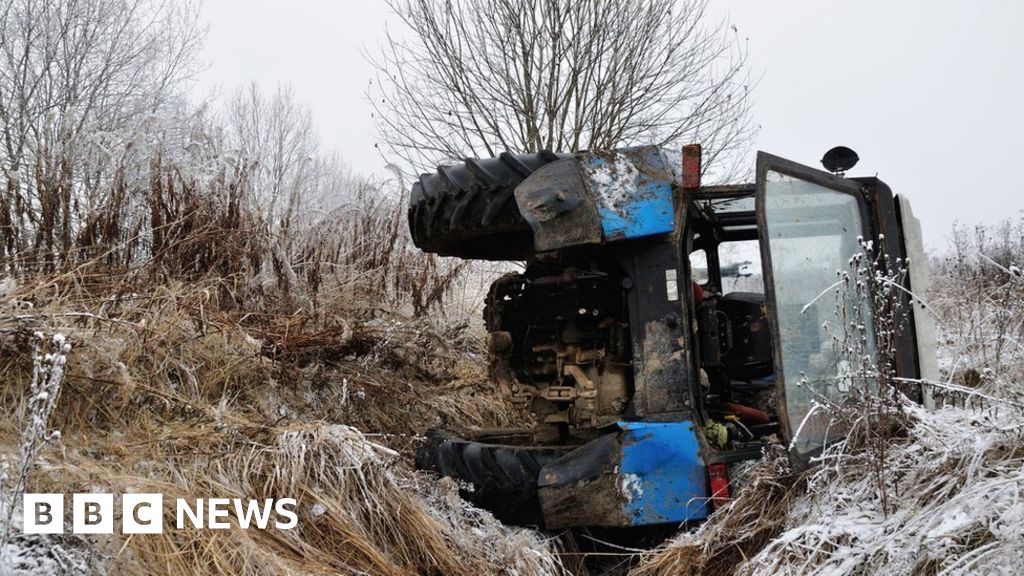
[
  {"x": 643, "y": 473},
  {"x": 598, "y": 197}
]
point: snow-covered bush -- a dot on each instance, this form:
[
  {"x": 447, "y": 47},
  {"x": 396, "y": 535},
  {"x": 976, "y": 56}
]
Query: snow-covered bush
[
  {"x": 978, "y": 291},
  {"x": 49, "y": 358}
]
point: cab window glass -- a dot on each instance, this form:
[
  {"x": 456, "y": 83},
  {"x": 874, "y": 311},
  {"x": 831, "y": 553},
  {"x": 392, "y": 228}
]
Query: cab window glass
[
  {"x": 699, "y": 267},
  {"x": 812, "y": 233},
  {"x": 741, "y": 267}
]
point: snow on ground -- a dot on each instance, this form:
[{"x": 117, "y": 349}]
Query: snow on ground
[
  {"x": 955, "y": 492},
  {"x": 49, "y": 555}
]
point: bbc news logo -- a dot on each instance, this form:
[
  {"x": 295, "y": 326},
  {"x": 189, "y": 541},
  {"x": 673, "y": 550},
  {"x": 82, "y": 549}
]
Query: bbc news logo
[{"x": 144, "y": 513}]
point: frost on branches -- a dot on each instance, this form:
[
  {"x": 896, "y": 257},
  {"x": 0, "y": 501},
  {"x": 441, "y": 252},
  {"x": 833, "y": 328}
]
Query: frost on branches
[{"x": 49, "y": 358}]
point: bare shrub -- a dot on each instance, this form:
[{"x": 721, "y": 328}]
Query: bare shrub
[
  {"x": 476, "y": 78},
  {"x": 360, "y": 250},
  {"x": 979, "y": 293},
  {"x": 185, "y": 204},
  {"x": 107, "y": 168},
  {"x": 48, "y": 364}
]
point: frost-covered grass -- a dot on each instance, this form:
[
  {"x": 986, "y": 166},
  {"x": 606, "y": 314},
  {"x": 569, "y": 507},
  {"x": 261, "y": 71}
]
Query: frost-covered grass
[
  {"x": 978, "y": 292},
  {"x": 955, "y": 506},
  {"x": 952, "y": 502},
  {"x": 51, "y": 554},
  {"x": 165, "y": 391},
  {"x": 361, "y": 509},
  {"x": 49, "y": 358}
]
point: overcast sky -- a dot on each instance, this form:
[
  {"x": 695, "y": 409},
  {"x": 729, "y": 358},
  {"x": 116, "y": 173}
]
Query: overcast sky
[{"x": 929, "y": 93}]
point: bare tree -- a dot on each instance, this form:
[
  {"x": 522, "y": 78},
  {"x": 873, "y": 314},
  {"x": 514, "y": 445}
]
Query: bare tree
[
  {"x": 72, "y": 73},
  {"x": 276, "y": 135},
  {"x": 475, "y": 78}
]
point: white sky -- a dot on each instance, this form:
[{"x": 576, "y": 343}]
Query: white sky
[{"x": 929, "y": 93}]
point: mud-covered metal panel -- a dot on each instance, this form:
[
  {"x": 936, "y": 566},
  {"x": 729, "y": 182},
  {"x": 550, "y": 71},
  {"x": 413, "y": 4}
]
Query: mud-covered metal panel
[
  {"x": 658, "y": 329},
  {"x": 557, "y": 205},
  {"x": 632, "y": 189},
  {"x": 581, "y": 488},
  {"x": 645, "y": 473},
  {"x": 597, "y": 197}
]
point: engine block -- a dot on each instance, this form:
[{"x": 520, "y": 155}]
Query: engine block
[{"x": 559, "y": 340}]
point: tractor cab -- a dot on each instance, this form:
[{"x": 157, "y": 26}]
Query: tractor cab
[{"x": 766, "y": 263}]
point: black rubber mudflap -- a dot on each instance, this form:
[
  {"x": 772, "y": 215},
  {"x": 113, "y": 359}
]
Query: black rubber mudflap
[
  {"x": 503, "y": 478},
  {"x": 469, "y": 210}
]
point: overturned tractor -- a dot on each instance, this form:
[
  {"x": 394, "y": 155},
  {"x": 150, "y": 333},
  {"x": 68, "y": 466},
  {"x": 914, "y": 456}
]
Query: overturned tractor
[{"x": 663, "y": 332}]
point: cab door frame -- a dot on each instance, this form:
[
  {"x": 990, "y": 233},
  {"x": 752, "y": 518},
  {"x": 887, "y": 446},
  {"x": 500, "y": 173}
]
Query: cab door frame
[{"x": 769, "y": 163}]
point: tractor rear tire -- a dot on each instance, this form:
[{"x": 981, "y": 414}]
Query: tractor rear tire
[
  {"x": 469, "y": 210},
  {"x": 503, "y": 477}
]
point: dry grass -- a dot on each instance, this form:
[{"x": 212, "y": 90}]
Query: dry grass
[
  {"x": 360, "y": 508},
  {"x": 168, "y": 390},
  {"x": 173, "y": 352}
]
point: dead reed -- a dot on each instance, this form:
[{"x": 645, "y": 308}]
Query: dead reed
[{"x": 169, "y": 390}]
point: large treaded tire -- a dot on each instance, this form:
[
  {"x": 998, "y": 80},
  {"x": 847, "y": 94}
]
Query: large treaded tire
[
  {"x": 504, "y": 478},
  {"x": 469, "y": 210}
]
